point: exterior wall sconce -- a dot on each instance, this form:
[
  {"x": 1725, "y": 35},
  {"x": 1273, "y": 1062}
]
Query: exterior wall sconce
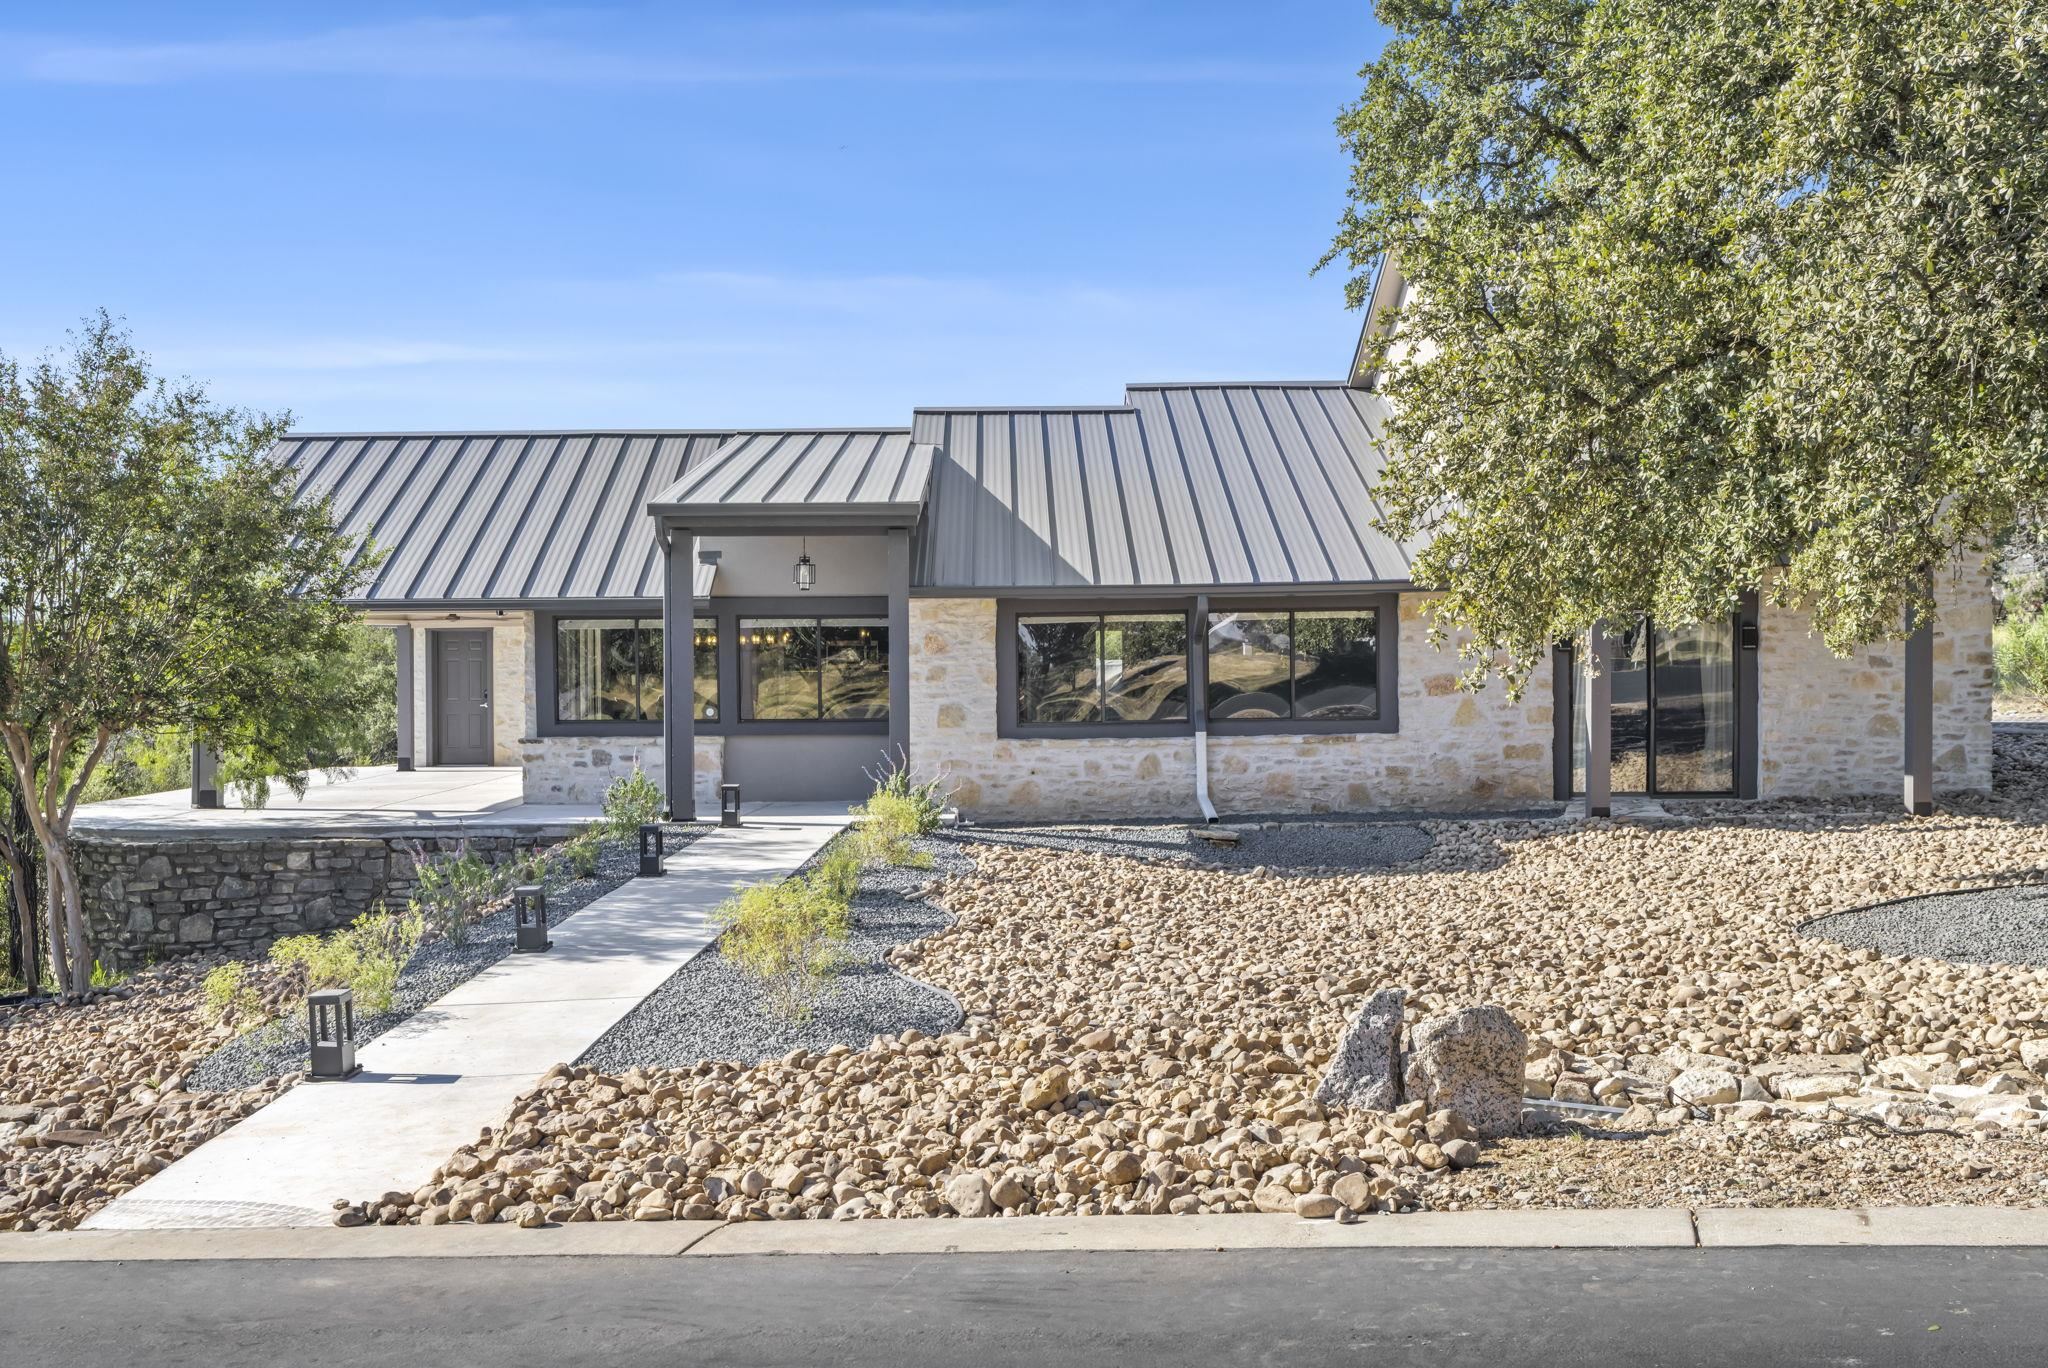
[
  {"x": 728, "y": 805},
  {"x": 530, "y": 919},
  {"x": 331, "y": 1014},
  {"x": 651, "y": 838},
  {"x": 1748, "y": 635},
  {"x": 806, "y": 573}
]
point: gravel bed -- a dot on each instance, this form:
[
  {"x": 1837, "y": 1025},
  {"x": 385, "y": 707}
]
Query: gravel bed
[
  {"x": 1985, "y": 926},
  {"x": 708, "y": 1009},
  {"x": 1298, "y": 848},
  {"x": 435, "y": 969}
]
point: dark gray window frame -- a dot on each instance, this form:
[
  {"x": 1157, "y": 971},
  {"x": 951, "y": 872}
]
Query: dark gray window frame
[
  {"x": 1009, "y": 610},
  {"x": 810, "y": 608},
  {"x": 1748, "y": 743},
  {"x": 1388, "y": 609},
  {"x": 546, "y": 694},
  {"x": 726, "y": 613}
]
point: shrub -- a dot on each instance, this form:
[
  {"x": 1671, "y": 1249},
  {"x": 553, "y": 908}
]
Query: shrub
[
  {"x": 838, "y": 874},
  {"x": 365, "y": 957},
  {"x": 228, "y": 995},
  {"x": 790, "y": 937},
  {"x": 2019, "y": 648},
  {"x": 453, "y": 889},
  {"x": 916, "y": 803},
  {"x": 630, "y": 803},
  {"x": 581, "y": 852}
]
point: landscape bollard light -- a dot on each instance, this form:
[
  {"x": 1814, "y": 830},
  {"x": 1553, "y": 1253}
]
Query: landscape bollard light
[
  {"x": 728, "y": 804},
  {"x": 651, "y": 850},
  {"x": 530, "y": 918},
  {"x": 332, "y": 1013}
]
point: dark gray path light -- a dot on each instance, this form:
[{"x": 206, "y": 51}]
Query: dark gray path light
[
  {"x": 530, "y": 919},
  {"x": 651, "y": 849},
  {"x": 331, "y": 1014},
  {"x": 729, "y": 805}
]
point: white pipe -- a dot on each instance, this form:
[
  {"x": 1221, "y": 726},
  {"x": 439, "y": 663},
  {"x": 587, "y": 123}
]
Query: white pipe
[{"x": 1202, "y": 768}]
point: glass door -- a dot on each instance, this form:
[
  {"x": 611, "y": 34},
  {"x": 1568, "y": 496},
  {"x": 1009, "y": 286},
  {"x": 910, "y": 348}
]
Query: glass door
[{"x": 1673, "y": 715}]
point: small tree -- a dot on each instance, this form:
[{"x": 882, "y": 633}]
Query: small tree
[{"x": 154, "y": 572}]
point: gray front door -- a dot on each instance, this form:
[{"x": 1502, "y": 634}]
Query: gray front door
[{"x": 462, "y": 698}]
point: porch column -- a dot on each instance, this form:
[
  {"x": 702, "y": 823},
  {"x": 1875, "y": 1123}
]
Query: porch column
[
  {"x": 679, "y": 710},
  {"x": 899, "y": 644},
  {"x": 205, "y": 776},
  {"x": 1599, "y": 724},
  {"x": 401, "y": 637},
  {"x": 1919, "y": 719}
]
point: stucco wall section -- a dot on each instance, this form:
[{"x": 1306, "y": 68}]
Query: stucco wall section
[
  {"x": 1833, "y": 727},
  {"x": 1454, "y": 749},
  {"x": 578, "y": 769}
]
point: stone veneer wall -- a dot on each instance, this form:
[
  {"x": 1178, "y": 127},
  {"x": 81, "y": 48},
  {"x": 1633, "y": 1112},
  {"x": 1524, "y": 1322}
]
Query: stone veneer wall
[
  {"x": 1454, "y": 750},
  {"x": 1833, "y": 727},
  {"x": 578, "y": 769},
  {"x": 151, "y": 898}
]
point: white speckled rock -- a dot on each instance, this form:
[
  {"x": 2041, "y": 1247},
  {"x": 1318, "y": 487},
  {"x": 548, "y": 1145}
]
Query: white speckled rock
[
  {"x": 1366, "y": 1070},
  {"x": 1470, "y": 1061}
]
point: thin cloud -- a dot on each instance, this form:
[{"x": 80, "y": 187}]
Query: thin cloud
[{"x": 504, "y": 48}]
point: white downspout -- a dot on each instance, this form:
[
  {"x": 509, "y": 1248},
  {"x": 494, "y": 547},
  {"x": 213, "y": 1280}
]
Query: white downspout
[{"x": 1198, "y": 702}]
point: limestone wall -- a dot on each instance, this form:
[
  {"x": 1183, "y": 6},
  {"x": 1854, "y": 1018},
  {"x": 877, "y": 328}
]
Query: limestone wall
[
  {"x": 1833, "y": 727},
  {"x": 149, "y": 898},
  {"x": 578, "y": 769},
  {"x": 1453, "y": 750}
]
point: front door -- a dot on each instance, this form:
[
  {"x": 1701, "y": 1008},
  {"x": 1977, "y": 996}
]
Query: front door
[{"x": 462, "y": 693}]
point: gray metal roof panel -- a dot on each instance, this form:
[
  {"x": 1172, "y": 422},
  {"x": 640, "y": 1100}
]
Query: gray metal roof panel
[
  {"x": 808, "y": 468},
  {"x": 1213, "y": 485},
  {"x": 507, "y": 516}
]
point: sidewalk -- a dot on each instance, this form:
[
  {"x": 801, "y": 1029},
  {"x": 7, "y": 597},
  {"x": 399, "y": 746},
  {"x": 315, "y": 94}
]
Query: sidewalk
[
  {"x": 1643, "y": 1228},
  {"x": 430, "y": 1084}
]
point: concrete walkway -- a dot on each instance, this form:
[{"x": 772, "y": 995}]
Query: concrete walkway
[{"x": 430, "y": 1084}]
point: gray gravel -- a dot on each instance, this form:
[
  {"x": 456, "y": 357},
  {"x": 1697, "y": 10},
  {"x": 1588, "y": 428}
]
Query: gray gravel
[
  {"x": 708, "y": 1009},
  {"x": 1332, "y": 848},
  {"x": 1988, "y": 926},
  {"x": 434, "y": 970}
]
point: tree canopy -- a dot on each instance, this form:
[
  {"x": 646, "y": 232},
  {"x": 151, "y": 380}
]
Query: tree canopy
[
  {"x": 1719, "y": 296},
  {"x": 155, "y": 573}
]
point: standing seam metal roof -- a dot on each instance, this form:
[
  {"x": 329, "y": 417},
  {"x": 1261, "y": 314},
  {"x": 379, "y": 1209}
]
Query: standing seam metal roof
[
  {"x": 1182, "y": 485},
  {"x": 792, "y": 468},
  {"x": 511, "y": 517}
]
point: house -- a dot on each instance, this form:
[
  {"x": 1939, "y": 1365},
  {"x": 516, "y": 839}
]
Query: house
[{"x": 1172, "y": 605}]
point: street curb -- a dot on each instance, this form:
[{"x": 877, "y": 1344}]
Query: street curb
[{"x": 1647, "y": 1228}]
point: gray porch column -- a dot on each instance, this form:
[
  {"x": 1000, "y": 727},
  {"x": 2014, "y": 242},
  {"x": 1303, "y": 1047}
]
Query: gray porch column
[
  {"x": 899, "y": 644},
  {"x": 1599, "y": 724},
  {"x": 205, "y": 776},
  {"x": 402, "y": 639},
  {"x": 1919, "y": 719},
  {"x": 679, "y": 710}
]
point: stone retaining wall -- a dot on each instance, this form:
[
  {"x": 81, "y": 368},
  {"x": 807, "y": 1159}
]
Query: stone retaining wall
[{"x": 149, "y": 899}]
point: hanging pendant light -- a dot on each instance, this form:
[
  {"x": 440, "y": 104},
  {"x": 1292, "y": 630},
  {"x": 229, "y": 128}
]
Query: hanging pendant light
[{"x": 806, "y": 569}]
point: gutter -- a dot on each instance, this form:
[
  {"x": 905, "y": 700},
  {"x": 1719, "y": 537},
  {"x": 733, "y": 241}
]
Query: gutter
[{"x": 1198, "y": 706}]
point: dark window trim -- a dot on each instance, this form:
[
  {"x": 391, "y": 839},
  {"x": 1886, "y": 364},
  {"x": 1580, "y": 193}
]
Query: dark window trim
[
  {"x": 546, "y": 694},
  {"x": 1009, "y": 610},
  {"x": 813, "y": 610},
  {"x": 1387, "y": 606}
]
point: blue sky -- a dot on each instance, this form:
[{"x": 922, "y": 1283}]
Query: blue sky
[{"x": 386, "y": 216}]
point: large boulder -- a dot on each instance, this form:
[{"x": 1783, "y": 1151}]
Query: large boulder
[
  {"x": 1470, "y": 1061},
  {"x": 1366, "y": 1070}
]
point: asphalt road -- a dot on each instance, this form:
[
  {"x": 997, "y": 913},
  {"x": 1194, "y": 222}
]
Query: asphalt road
[{"x": 1862, "y": 1306}]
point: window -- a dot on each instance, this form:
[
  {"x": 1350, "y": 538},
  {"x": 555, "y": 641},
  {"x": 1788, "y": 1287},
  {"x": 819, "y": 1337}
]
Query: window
[
  {"x": 814, "y": 669},
  {"x": 1311, "y": 666},
  {"x": 1101, "y": 668},
  {"x": 608, "y": 670},
  {"x": 1672, "y": 714},
  {"x": 704, "y": 668}
]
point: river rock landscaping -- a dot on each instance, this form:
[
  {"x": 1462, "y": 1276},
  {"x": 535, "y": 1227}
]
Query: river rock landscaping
[
  {"x": 1146, "y": 1034},
  {"x": 96, "y": 1097}
]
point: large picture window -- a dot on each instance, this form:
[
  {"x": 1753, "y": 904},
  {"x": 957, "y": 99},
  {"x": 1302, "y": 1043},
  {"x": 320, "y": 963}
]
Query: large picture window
[
  {"x": 1282, "y": 665},
  {"x": 608, "y": 670},
  {"x": 814, "y": 669},
  {"x": 1101, "y": 668}
]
